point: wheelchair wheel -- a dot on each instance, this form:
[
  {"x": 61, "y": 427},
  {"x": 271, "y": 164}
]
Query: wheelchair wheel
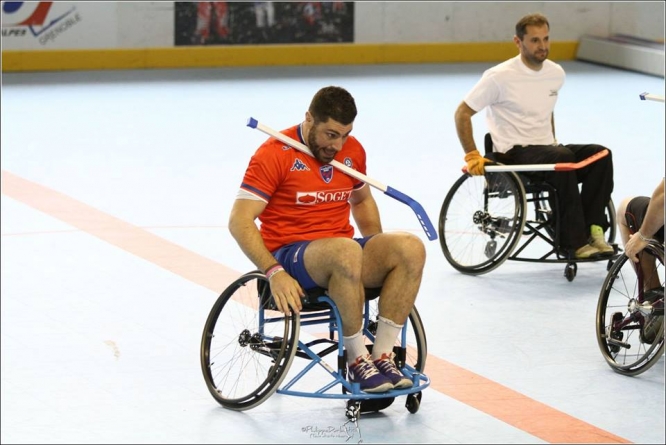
[
  {"x": 247, "y": 345},
  {"x": 629, "y": 321},
  {"x": 481, "y": 221}
]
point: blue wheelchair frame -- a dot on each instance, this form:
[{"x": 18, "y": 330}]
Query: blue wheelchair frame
[
  {"x": 419, "y": 380},
  {"x": 240, "y": 331}
]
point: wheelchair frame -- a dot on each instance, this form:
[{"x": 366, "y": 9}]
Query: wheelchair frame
[
  {"x": 244, "y": 328},
  {"x": 483, "y": 219},
  {"x": 624, "y": 311}
]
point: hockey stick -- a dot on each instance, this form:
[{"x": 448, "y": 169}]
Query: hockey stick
[
  {"x": 648, "y": 96},
  {"x": 561, "y": 166},
  {"x": 428, "y": 228}
]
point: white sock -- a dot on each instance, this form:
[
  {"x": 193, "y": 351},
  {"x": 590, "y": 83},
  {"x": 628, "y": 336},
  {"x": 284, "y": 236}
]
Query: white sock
[
  {"x": 387, "y": 333},
  {"x": 355, "y": 346}
]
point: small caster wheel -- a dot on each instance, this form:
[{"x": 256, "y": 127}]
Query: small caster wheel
[
  {"x": 353, "y": 410},
  {"x": 570, "y": 271},
  {"x": 413, "y": 402}
]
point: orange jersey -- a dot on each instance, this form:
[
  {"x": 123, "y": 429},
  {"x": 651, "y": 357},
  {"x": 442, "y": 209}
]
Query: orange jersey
[{"x": 306, "y": 200}]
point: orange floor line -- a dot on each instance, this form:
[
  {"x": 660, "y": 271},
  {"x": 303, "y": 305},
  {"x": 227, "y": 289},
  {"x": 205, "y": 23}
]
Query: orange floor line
[
  {"x": 133, "y": 239},
  {"x": 511, "y": 407},
  {"x": 500, "y": 402}
]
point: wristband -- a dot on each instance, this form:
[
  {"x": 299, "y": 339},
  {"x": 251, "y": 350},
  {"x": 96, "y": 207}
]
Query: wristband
[
  {"x": 270, "y": 267},
  {"x": 273, "y": 270},
  {"x": 640, "y": 235}
]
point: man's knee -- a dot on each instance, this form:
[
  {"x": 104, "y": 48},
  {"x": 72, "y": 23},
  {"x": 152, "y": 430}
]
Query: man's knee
[
  {"x": 395, "y": 249},
  {"x": 410, "y": 248},
  {"x": 622, "y": 211}
]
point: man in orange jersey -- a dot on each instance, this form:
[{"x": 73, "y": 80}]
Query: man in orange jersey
[{"x": 306, "y": 239}]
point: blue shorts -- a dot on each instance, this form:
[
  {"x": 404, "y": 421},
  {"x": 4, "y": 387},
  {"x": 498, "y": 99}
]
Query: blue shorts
[{"x": 291, "y": 258}]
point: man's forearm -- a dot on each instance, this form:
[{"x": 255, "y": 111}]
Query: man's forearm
[
  {"x": 249, "y": 240},
  {"x": 464, "y": 129}
]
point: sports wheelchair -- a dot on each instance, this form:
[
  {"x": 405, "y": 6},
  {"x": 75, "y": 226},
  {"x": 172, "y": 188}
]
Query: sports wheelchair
[
  {"x": 248, "y": 346},
  {"x": 483, "y": 219},
  {"x": 630, "y": 321}
]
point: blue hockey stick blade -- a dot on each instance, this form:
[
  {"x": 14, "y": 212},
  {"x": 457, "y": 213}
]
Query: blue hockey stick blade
[{"x": 421, "y": 214}]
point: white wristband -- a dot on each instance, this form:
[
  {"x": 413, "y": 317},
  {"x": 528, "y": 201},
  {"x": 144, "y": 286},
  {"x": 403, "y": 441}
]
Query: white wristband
[{"x": 273, "y": 271}]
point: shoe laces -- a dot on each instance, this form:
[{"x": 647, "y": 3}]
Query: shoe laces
[
  {"x": 386, "y": 362},
  {"x": 364, "y": 368}
]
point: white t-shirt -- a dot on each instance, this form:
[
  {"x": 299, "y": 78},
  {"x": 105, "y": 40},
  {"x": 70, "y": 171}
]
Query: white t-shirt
[{"x": 519, "y": 102}]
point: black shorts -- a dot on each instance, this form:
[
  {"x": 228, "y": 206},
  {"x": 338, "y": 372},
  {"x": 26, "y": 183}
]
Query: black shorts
[{"x": 636, "y": 210}]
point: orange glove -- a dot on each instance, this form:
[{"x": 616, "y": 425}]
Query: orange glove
[{"x": 475, "y": 163}]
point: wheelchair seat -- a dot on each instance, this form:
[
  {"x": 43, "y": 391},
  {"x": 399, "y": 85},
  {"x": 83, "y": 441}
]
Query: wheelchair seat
[
  {"x": 486, "y": 220},
  {"x": 248, "y": 346}
]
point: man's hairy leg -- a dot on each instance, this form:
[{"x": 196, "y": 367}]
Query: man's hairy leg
[
  {"x": 394, "y": 262},
  {"x": 336, "y": 264}
]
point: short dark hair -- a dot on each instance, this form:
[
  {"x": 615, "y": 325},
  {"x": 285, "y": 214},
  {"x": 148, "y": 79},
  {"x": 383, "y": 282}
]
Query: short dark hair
[
  {"x": 335, "y": 103},
  {"x": 530, "y": 20}
]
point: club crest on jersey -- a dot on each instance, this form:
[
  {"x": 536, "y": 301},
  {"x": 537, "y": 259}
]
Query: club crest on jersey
[
  {"x": 299, "y": 166},
  {"x": 326, "y": 173},
  {"x": 348, "y": 162}
]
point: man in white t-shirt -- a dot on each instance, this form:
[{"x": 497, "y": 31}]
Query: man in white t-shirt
[{"x": 519, "y": 96}]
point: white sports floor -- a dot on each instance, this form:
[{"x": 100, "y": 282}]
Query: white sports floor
[{"x": 116, "y": 191}]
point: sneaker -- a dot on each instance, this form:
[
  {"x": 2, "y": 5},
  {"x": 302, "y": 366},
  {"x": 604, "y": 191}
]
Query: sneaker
[
  {"x": 652, "y": 328},
  {"x": 598, "y": 240},
  {"x": 653, "y": 322},
  {"x": 387, "y": 367},
  {"x": 365, "y": 373},
  {"x": 586, "y": 252}
]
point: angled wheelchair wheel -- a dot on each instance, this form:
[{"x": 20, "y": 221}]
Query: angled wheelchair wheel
[
  {"x": 247, "y": 345},
  {"x": 481, "y": 221},
  {"x": 630, "y": 321}
]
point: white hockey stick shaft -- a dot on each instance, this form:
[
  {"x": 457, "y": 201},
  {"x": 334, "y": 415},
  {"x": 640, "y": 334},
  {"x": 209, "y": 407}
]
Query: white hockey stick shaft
[
  {"x": 648, "y": 96},
  {"x": 420, "y": 212}
]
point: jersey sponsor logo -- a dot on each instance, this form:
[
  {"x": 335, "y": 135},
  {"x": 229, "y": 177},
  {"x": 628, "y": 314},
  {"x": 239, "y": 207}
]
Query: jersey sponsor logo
[
  {"x": 326, "y": 172},
  {"x": 322, "y": 197},
  {"x": 348, "y": 162},
  {"x": 553, "y": 93},
  {"x": 299, "y": 166}
]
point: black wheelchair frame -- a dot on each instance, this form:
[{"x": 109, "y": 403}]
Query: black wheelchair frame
[
  {"x": 248, "y": 346},
  {"x": 484, "y": 218},
  {"x": 629, "y": 319}
]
